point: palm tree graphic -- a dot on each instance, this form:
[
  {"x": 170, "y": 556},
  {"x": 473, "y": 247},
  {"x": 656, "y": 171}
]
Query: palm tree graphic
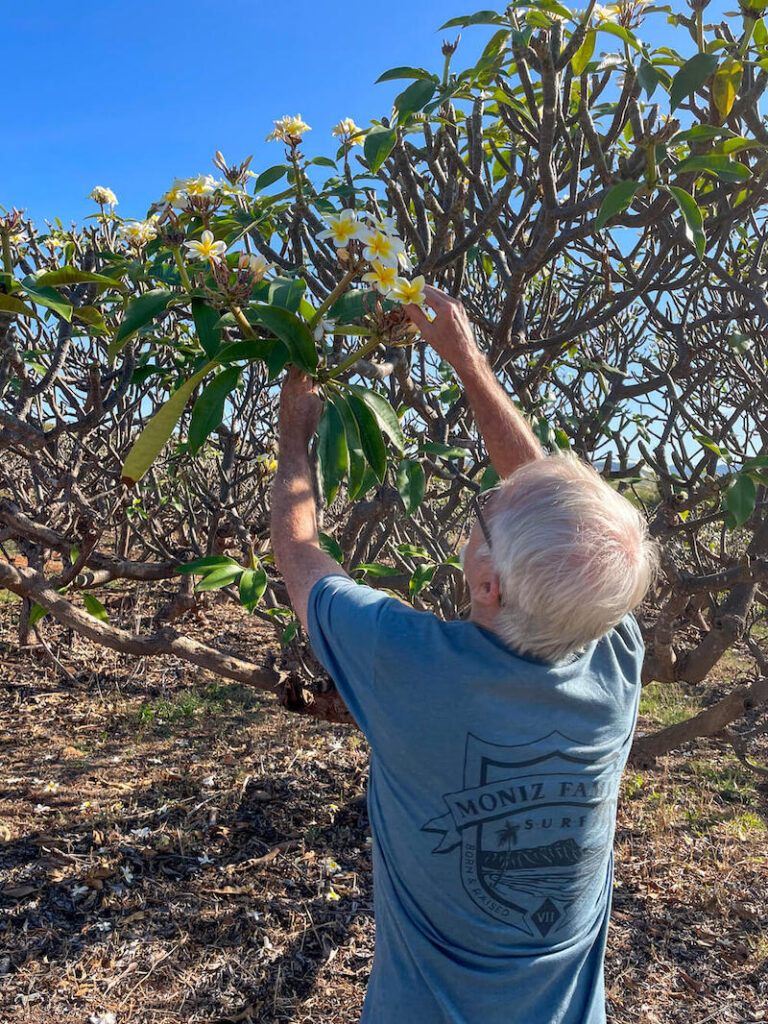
[{"x": 506, "y": 836}]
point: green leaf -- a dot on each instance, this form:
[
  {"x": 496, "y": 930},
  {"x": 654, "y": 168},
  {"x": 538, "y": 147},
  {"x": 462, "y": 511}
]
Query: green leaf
[
  {"x": 221, "y": 577},
  {"x": 691, "y": 76},
  {"x": 201, "y": 565},
  {"x": 294, "y": 334},
  {"x": 621, "y": 33},
  {"x": 286, "y": 292},
  {"x": 91, "y": 316},
  {"x": 151, "y": 440},
  {"x": 490, "y": 479},
  {"x": 721, "y": 166},
  {"x": 270, "y": 176},
  {"x": 332, "y": 453},
  {"x": 289, "y": 632},
  {"x": 71, "y": 275},
  {"x": 95, "y": 608},
  {"x": 414, "y": 98},
  {"x": 253, "y": 583},
  {"x": 138, "y": 314},
  {"x": 740, "y": 498},
  {"x": 617, "y": 199},
  {"x": 353, "y": 304},
  {"x": 36, "y": 613},
  {"x": 357, "y": 464},
  {"x": 739, "y": 342},
  {"x": 385, "y": 415},
  {"x": 648, "y": 77},
  {"x": 692, "y": 216},
  {"x": 584, "y": 53},
  {"x": 10, "y": 304},
  {"x": 411, "y": 483},
  {"x": 47, "y": 297},
  {"x": 330, "y": 547},
  {"x": 208, "y": 410},
  {"x": 405, "y": 72},
  {"x": 421, "y": 577},
  {"x": 374, "y": 569},
  {"x": 206, "y": 320},
  {"x": 379, "y": 143},
  {"x": 370, "y": 435},
  {"x": 480, "y": 18},
  {"x": 444, "y": 451}
]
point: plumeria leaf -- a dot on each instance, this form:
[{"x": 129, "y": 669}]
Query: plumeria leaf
[
  {"x": 221, "y": 577},
  {"x": 691, "y": 76},
  {"x": 47, "y": 297},
  {"x": 270, "y": 176},
  {"x": 206, "y": 324},
  {"x": 253, "y": 583},
  {"x": 10, "y": 304},
  {"x": 421, "y": 577},
  {"x": 71, "y": 275},
  {"x": 414, "y": 98},
  {"x": 444, "y": 451},
  {"x": 405, "y": 72},
  {"x": 621, "y": 33},
  {"x": 138, "y": 314},
  {"x": 379, "y": 143},
  {"x": 153, "y": 437},
  {"x": 202, "y": 565},
  {"x": 333, "y": 456},
  {"x": 91, "y": 316},
  {"x": 330, "y": 547},
  {"x": 293, "y": 333},
  {"x": 616, "y": 201},
  {"x": 726, "y": 84},
  {"x": 286, "y": 292},
  {"x": 648, "y": 77},
  {"x": 480, "y": 18},
  {"x": 740, "y": 498},
  {"x": 36, "y": 613},
  {"x": 357, "y": 464},
  {"x": 721, "y": 166},
  {"x": 95, "y": 608},
  {"x": 370, "y": 435},
  {"x": 692, "y": 217},
  {"x": 208, "y": 410},
  {"x": 411, "y": 483},
  {"x": 584, "y": 53},
  {"x": 376, "y": 569},
  {"x": 384, "y": 413}
]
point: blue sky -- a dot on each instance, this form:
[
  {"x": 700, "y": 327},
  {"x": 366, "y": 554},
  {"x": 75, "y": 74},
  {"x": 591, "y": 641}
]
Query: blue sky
[{"x": 133, "y": 94}]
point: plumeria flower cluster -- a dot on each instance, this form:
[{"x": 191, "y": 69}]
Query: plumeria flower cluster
[
  {"x": 139, "y": 232},
  {"x": 347, "y": 131},
  {"x": 289, "y": 129},
  {"x": 382, "y": 248},
  {"x": 103, "y": 196}
]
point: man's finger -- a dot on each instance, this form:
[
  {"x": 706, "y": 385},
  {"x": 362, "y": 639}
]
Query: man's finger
[{"x": 418, "y": 316}]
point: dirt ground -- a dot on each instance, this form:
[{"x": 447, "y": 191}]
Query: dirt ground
[{"x": 178, "y": 849}]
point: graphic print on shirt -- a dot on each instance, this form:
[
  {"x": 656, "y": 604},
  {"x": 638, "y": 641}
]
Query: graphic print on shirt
[{"x": 535, "y": 827}]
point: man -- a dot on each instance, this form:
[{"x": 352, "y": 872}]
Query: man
[{"x": 497, "y": 744}]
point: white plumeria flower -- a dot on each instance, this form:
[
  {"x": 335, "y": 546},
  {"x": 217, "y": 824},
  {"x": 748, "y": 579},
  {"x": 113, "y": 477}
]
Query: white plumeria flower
[
  {"x": 103, "y": 1018},
  {"x": 205, "y": 859},
  {"x": 332, "y": 895},
  {"x": 18, "y": 239},
  {"x": 330, "y": 865},
  {"x": 324, "y": 326},
  {"x": 139, "y": 231},
  {"x": 209, "y": 781},
  {"x": 141, "y": 833},
  {"x": 346, "y": 129},
  {"x": 386, "y": 224},
  {"x": 42, "y": 808},
  {"x": 409, "y": 291},
  {"x": 342, "y": 228},
  {"x": 206, "y": 248},
  {"x": 257, "y": 264},
  {"x": 381, "y": 247},
  {"x": 176, "y": 194},
  {"x": 80, "y": 890},
  {"x": 288, "y": 128},
  {"x": 51, "y": 787},
  {"x": 103, "y": 196},
  {"x": 381, "y": 277},
  {"x": 610, "y": 12}
]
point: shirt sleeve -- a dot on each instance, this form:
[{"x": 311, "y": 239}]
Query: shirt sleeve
[{"x": 345, "y": 623}]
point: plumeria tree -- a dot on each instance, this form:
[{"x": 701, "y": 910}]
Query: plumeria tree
[{"x": 598, "y": 204}]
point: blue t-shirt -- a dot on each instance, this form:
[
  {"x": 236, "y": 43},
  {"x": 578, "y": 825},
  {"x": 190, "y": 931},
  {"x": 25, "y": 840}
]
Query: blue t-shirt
[{"x": 492, "y": 801}]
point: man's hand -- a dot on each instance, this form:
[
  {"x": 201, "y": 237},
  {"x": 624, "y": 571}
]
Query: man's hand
[
  {"x": 450, "y": 333},
  {"x": 300, "y": 410}
]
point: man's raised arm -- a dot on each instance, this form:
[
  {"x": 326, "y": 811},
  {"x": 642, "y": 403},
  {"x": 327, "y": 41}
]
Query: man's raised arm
[{"x": 508, "y": 438}]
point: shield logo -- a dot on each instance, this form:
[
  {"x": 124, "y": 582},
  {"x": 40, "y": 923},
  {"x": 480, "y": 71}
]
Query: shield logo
[{"x": 535, "y": 825}]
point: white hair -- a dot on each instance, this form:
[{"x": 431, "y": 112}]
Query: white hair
[{"x": 573, "y": 556}]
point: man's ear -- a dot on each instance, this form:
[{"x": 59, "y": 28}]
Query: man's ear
[{"x": 488, "y": 591}]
